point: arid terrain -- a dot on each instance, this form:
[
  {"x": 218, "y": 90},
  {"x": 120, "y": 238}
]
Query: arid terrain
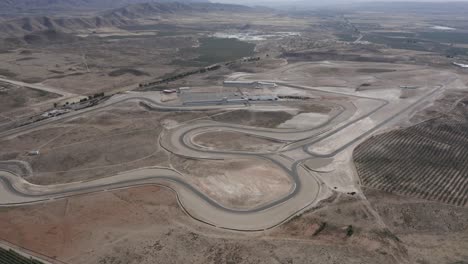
[{"x": 198, "y": 132}]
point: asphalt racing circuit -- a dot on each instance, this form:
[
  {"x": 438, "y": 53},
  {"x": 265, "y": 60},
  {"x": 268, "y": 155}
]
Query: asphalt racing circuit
[{"x": 351, "y": 121}]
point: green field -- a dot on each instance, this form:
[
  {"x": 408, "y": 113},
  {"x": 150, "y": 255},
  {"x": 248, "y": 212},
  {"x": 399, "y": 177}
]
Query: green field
[
  {"x": 446, "y": 37},
  {"x": 424, "y": 41},
  {"x": 213, "y": 50},
  {"x": 216, "y": 50}
]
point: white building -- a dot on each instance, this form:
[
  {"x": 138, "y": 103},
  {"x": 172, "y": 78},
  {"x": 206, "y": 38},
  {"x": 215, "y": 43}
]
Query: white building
[
  {"x": 169, "y": 91},
  {"x": 266, "y": 85},
  {"x": 33, "y": 153},
  {"x": 460, "y": 65}
]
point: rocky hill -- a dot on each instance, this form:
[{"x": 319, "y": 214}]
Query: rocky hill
[
  {"x": 28, "y": 25},
  {"x": 30, "y": 5},
  {"x": 112, "y": 18},
  {"x": 149, "y": 9}
]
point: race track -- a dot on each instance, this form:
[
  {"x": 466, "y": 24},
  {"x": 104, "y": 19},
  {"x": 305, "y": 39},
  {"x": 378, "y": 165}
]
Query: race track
[{"x": 347, "y": 125}]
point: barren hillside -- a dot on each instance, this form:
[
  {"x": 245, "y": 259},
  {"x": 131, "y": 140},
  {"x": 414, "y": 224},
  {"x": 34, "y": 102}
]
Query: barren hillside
[
  {"x": 29, "y": 5},
  {"x": 113, "y": 18}
]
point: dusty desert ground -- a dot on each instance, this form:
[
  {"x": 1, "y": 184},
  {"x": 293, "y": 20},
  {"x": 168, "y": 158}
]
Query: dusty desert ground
[
  {"x": 146, "y": 225},
  {"x": 337, "y": 78},
  {"x": 367, "y": 227}
]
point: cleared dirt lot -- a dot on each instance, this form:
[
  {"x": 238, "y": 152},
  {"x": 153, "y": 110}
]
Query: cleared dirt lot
[
  {"x": 233, "y": 141},
  {"x": 356, "y": 75},
  {"x": 312, "y": 113},
  {"x": 236, "y": 183}
]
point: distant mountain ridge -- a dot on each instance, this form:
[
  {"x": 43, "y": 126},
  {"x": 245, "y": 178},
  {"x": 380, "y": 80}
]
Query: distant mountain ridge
[
  {"x": 428, "y": 7},
  {"x": 148, "y": 9},
  {"x": 25, "y": 5},
  {"x": 111, "y": 18},
  {"x": 27, "y": 25}
]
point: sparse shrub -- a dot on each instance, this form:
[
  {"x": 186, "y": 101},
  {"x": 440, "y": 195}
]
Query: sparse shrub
[
  {"x": 349, "y": 231},
  {"x": 320, "y": 229}
]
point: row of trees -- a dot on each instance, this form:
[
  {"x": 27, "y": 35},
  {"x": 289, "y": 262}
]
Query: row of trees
[
  {"x": 429, "y": 161},
  {"x": 181, "y": 75},
  {"x": 201, "y": 70},
  {"x": 90, "y": 97}
]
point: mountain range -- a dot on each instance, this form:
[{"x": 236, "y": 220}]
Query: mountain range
[
  {"x": 121, "y": 16},
  {"x": 31, "y": 5}
]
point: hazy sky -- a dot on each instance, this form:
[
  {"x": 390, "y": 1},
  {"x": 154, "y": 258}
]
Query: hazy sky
[
  {"x": 322, "y": 2},
  {"x": 311, "y": 1}
]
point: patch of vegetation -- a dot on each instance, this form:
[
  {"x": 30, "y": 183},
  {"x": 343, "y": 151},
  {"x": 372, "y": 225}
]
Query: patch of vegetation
[
  {"x": 175, "y": 33},
  {"x": 127, "y": 37},
  {"x": 252, "y": 118},
  {"x": 216, "y": 50},
  {"x": 42, "y": 93},
  {"x": 321, "y": 56},
  {"x": 32, "y": 80},
  {"x": 375, "y": 70},
  {"x": 398, "y": 43},
  {"x": 397, "y": 34},
  {"x": 19, "y": 101},
  {"x": 417, "y": 42},
  {"x": 167, "y": 27},
  {"x": 295, "y": 218},
  {"x": 445, "y": 36},
  {"x": 26, "y": 52},
  {"x": 387, "y": 234},
  {"x": 134, "y": 72},
  {"x": 26, "y": 59},
  {"x": 11, "y": 257},
  {"x": 428, "y": 160},
  {"x": 7, "y": 73},
  {"x": 349, "y": 231},
  {"x": 172, "y": 78},
  {"x": 322, "y": 226},
  {"x": 345, "y": 37}
]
